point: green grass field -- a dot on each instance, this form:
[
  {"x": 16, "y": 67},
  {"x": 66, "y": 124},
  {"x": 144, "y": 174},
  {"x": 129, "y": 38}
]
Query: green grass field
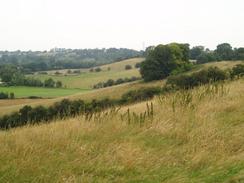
[
  {"x": 22, "y": 92},
  {"x": 86, "y": 80}
]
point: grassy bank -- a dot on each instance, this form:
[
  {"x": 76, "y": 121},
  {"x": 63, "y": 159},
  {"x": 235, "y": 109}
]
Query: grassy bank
[{"x": 194, "y": 136}]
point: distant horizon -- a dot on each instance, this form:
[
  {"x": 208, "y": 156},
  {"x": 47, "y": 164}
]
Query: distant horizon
[{"x": 67, "y": 48}]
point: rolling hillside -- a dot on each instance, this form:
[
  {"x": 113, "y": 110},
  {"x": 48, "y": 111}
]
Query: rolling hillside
[
  {"x": 180, "y": 141},
  {"x": 87, "y": 79},
  {"x": 7, "y": 106}
]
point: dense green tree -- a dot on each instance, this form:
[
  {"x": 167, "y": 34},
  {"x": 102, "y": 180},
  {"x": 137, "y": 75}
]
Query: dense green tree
[
  {"x": 50, "y": 83},
  {"x": 196, "y": 51},
  {"x": 239, "y": 53},
  {"x": 224, "y": 51},
  {"x": 163, "y": 60},
  {"x": 59, "y": 84}
]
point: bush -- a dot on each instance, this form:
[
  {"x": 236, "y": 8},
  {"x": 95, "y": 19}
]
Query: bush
[
  {"x": 212, "y": 74},
  {"x": 57, "y": 73},
  {"x": 76, "y": 71},
  {"x": 59, "y": 84},
  {"x": 238, "y": 71},
  {"x": 3, "y": 95},
  {"x": 137, "y": 65},
  {"x": 119, "y": 81},
  {"x": 111, "y": 82},
  {"x": 128, "y": 67},
  {"x": 11, "y": 95},
  {"x": 49, "y": 83},
  {"x": 98, "y": 69},
  {"x": 140, "y": 95},
  {"x": 43, "y": 73}
]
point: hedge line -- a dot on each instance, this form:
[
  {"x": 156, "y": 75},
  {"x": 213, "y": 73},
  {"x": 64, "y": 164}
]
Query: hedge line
[
  {"x": 67, "y": 108},
  {"x": 210, "y": 75}
]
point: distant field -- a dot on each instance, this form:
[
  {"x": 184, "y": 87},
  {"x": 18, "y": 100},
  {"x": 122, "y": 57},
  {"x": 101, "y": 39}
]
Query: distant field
[
  {"x": 21, "y": 92},
  {"x": 86, "y": 79}
]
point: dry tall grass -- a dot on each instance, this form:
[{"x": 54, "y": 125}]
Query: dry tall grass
[{"x": 194, "y": 136}]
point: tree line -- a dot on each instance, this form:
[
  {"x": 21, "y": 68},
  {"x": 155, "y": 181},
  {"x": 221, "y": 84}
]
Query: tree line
[
  {"x": 111, "y": 82},
  {"x": 56, "y": 58},
  {"x": 205, "y": 76},
  {"x": 222, "y": 52},
  {"x": 4, "y": 95},
  {"x": 174, "y": 58},
  {"x": 13, "y": 76}
]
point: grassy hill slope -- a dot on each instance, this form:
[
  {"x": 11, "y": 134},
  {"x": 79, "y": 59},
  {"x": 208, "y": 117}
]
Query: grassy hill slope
[
  {"x": 86, "y": 79},
  {"x": 194, "y": 136},
  {"x": 7, "y": 106}
]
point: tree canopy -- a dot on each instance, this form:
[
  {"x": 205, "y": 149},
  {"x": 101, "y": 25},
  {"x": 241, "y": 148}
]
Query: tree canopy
[{"x": 162, "y": 60}]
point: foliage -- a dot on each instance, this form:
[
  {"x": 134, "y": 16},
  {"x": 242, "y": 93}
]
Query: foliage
[
  {"x": 222, "y": 52},
  {"x": 138, "y": 65},
  {"x": 128, "y": 67},
  {"x": 111, "y": 82},
  {"x": 12, "y": 76},
  {"x": 164, "y": 59},
  {"x": 98, "y": 69},
  {"x": 184, "y": 81},
  {"x": 238, "y": 71},
  {"x": 68, "y": 108},
  {"x": 196, "y": 51},
  {"x": 65, "y": 58},
  {"x": 3, "y": 95},
  {"x": 140, "y": 94}
]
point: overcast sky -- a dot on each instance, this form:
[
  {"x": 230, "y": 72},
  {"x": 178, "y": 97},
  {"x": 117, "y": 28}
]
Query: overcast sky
[{"x": 45, "y": 24}]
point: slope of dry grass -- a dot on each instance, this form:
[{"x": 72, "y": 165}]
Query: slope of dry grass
[{"x": 194, "y": 136}]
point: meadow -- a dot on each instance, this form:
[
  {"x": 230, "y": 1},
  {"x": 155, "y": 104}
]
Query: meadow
[
  {"x": 25, "y": 92},
  {"x": 191, "y": 136},
  {"x": 87, "y": 79}
]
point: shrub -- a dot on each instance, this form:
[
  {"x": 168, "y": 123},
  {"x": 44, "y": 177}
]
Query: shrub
[
  {"x": 212, "y": 74},
  {"x": 98, "y": 69},
  {"x": 43, "y": 73},
  {"x": 76, "y": 71},
  {"x": 11, "y": 95},
  {"x": 119, "y": 81},
  {"x": 58, "y": 84},
  {"x": 3, "y": 95},
  {"x": 137, "y": 65},
  {"x": 140, "y": 94},
  {"x": 69, "y": 72},
  {"x": 50, "y": 83},
  {"x": 238, "y": 71},
  {"x": 128, "y": 67},
  {"x": 110, "y": 82},
  {"x": 57, "y": 73}
]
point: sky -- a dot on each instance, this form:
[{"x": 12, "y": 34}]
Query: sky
[{"x": 45, "y": 24}]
